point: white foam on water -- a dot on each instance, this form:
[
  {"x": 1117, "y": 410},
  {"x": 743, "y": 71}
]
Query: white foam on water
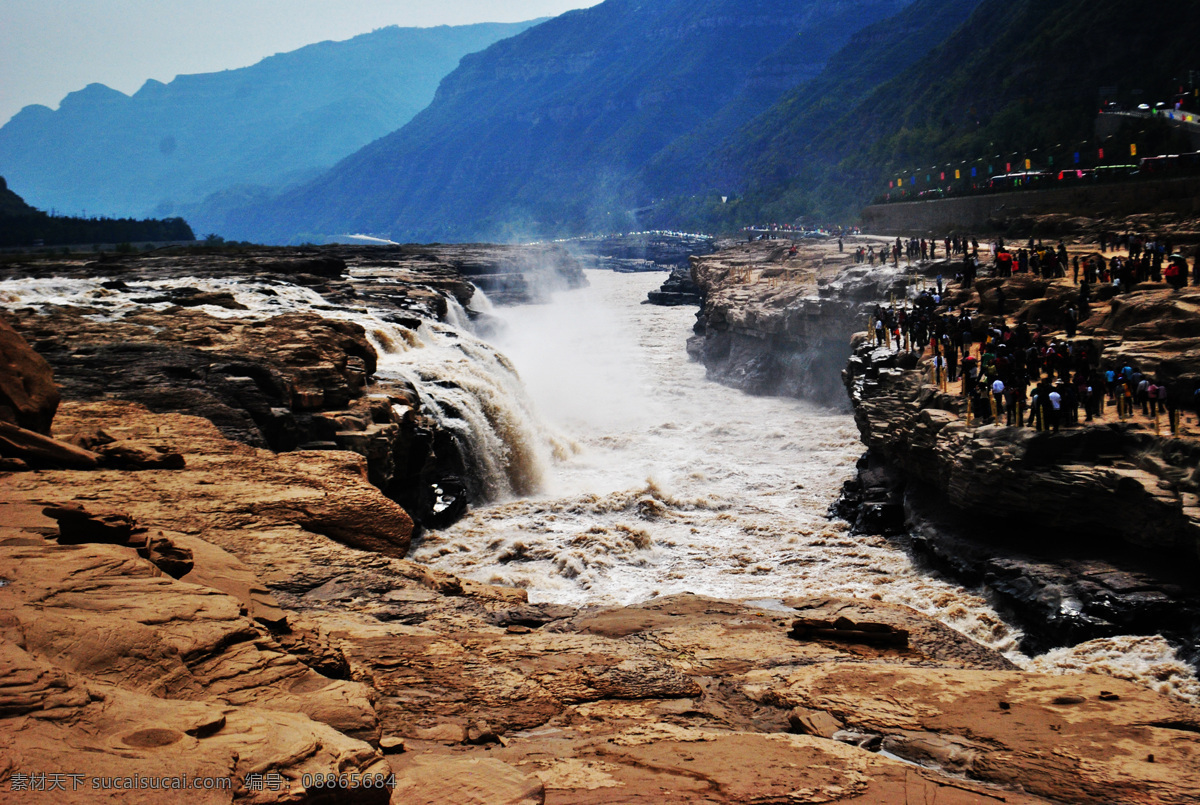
[
  {"x": 680, "y": 484},
  {"x": 1146, "y": 659}
]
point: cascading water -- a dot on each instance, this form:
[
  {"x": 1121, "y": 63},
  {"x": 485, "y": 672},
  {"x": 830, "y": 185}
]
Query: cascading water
[
  {"x": 469, "y": 387},
  {"x": 474, "y": 392}
]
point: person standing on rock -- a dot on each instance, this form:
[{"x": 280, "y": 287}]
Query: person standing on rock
[
  {"x": 1016, "y": 398},
  {"x": 1036, "y": 400},
  {"x": 1092, "y": 397},
  {"x": 1070, "y": 402},
  {"x": 1176, "y": 273},
  {"x": 1072, "y": 320},
  {"x": 1053, "y": 409}
]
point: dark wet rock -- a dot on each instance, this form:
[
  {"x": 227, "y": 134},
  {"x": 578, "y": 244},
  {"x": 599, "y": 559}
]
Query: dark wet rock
[
  {"x": 194, "y": 297},
  {"x": 320, "y": 266},
  {"x": 678, "y": 289},
  {"x": 1084, "y": 533},
  {"x": 845, "y": 630}
]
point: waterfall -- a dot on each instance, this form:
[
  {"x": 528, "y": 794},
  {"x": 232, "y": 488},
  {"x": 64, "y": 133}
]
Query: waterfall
[
  {"x": 457, "y": 315},
  {"x": 479, "y": 302},
  {"x": 470, "y": 388},
  {"x": 475, "y": 393}
]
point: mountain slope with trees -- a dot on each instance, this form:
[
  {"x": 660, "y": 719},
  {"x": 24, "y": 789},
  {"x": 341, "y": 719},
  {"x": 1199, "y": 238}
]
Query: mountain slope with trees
[{"x": 1017, "y": 79}]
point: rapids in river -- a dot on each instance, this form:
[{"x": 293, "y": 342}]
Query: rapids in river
[
  {"x": 617, "y": 472},
  {"x": 670, "y": 483}
]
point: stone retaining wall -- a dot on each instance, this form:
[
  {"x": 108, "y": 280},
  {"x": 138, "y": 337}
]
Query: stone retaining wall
[{"x": 995, "y": 211}]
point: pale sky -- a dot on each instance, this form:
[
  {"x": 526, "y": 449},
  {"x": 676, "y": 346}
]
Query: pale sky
[{"x": 51, "y": 47}]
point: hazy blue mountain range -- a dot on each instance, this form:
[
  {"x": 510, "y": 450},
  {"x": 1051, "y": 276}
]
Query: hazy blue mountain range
[
  {"x": 547, "y": 132},
  {"x": 240, "y": 133},
  {"x": 1014, "y": 76}
]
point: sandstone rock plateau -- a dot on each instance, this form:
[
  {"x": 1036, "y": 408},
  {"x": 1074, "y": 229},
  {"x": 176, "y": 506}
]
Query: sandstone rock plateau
[{"x": 248, "y": 615}]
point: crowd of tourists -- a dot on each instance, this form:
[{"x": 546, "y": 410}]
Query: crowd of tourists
[
  {"x": 1029, "y": 374},
  {"x": 1147, "y": 260},
  {"x": 916, "y": 249}
]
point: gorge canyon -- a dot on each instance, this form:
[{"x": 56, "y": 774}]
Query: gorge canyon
[{"x": 340, "y": 512}]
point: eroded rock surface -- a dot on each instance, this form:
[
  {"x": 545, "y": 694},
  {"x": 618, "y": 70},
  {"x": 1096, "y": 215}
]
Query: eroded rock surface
[
  {"x": 86, "y": 739},
  {"x": 200, "y": 605},
  {"x": 472, "y": 690}
]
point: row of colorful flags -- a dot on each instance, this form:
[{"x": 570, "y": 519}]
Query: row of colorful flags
[{"x": 1008, "y": 168}]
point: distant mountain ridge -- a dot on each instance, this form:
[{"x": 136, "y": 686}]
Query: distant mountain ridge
[
  {"x": 282, "y": 120},
  {"x": 546, "y": 132}
]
